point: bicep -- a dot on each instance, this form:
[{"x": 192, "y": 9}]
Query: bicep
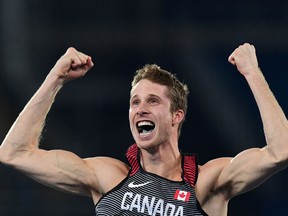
[
  {"x": 246, "y": 171},
  {"x": 58, "y": 169}
]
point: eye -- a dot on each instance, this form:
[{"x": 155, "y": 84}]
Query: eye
[
  {"x": 135, "y": 102},
  {"x": 153, "y": 101}
]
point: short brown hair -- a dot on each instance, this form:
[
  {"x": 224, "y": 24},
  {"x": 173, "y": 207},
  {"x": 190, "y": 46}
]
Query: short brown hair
[{"x": 177, "y": 91}]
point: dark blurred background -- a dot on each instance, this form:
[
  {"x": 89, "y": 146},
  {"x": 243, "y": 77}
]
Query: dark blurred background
[{"x": 90, "y": 116}]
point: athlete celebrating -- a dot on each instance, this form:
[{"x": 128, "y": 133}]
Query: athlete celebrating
[{"x": 159, "y": 179}]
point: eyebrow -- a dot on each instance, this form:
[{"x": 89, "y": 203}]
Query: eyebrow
[{"x": 150, "y": 95}]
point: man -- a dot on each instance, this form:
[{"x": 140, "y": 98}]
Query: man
[{"x": 159, "y": 179}]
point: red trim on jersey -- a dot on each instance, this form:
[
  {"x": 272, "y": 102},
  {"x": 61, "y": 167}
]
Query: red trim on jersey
[
  {"x": 189, "y": 164},
  {"x": 132, "y": 157},
  {"x": 190, "y": 169}
]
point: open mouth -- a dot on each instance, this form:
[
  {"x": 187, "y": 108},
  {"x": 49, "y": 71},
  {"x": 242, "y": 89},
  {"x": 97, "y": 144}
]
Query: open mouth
[{"x": 145, "y": 127}]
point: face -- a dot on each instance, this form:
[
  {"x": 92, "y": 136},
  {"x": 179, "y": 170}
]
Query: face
[{"x": 151, "y": 121}]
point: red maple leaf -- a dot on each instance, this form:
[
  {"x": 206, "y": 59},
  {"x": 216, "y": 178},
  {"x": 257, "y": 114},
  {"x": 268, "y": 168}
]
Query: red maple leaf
[{"x": 182, "y": 195}]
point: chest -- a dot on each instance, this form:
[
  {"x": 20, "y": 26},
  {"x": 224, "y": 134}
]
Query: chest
[{"x": 148, "y": 194}]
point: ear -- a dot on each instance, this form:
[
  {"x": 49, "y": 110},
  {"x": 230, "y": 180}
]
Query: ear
[{"x": 177, "y": 117}]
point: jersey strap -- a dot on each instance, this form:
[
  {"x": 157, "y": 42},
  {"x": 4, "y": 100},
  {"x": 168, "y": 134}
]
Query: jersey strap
[
  {"x": 132, "y": 157},
  {"x": 189, "y": 164},
  {"x": 190, "y": 168}
]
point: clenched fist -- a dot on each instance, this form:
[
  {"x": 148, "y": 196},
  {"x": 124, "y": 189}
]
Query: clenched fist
[{"x": 72, "y": 65}]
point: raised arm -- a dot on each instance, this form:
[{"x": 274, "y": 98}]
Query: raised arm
[
  {"x": 27, "y": 128},
  {"x": 20, "y": 146},
  {"x": 253, "y": 166},
  {"x": 274, "y": 120}
]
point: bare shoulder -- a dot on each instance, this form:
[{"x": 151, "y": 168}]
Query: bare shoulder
[
  {"x": 208, "y": 175},
  {"x": 211, "y": 200},
  {"x": 217, "y": 164},
  {"x": 107, "y": 164},
  {"x": 109, "y": 172}
]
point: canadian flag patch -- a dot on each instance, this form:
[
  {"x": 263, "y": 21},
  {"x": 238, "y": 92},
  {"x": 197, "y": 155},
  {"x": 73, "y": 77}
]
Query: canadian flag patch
[{"x": 182, "y": 195}]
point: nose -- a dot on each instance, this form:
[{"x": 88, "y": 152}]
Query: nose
[{"x": 142, "y": 109}]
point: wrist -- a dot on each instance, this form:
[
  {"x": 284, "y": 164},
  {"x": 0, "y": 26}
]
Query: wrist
[
  {"x": 255, "y": 76},
  {"x": 53, "y": 80}
]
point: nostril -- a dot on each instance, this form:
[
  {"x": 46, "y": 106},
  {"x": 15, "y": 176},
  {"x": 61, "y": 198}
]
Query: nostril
[{"x": 142, "y": 112}]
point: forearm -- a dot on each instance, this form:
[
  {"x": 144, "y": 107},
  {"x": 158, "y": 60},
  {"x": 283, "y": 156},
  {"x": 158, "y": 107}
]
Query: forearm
[
  {"x": 26, "y": 130},
  {"x": 274, "y": 120}
]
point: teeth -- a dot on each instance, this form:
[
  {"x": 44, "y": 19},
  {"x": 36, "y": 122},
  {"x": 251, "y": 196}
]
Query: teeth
[
  {"x": 144, "y": 123},
  {"x": 145, "y": 127}
]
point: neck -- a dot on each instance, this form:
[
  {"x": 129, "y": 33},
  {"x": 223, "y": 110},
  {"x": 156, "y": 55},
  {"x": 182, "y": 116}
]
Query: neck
[{"x": 165, "y": 162}]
